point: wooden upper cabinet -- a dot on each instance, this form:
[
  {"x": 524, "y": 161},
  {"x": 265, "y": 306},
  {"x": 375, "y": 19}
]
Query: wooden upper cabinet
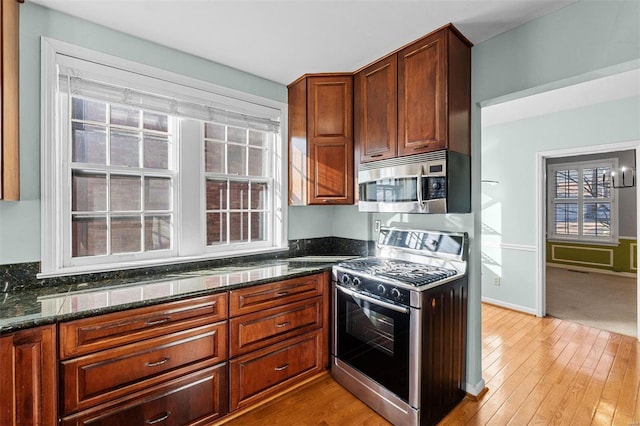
[
  {"x": 28, "y": 380},
  {"x": 9, "y": 157},
  {"x": 422, "y": 96},
  {"x": 434, "y": 94},
  {"x": 375, "y": 100},
  {"x": 321, "y": 140}
]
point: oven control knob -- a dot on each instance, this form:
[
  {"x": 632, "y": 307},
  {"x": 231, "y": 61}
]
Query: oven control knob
[
  {"x": 356, "y": 282},
  {"x": 435, "y": 186},
  {"x": 345, "y": 279},
  {"x": 381, "y": 289},
  {"x": 395, "y": 293}
]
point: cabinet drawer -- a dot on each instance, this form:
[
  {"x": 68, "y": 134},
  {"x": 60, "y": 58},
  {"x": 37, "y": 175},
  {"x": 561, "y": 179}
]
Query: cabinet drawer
[
  {"x": 195, "y": 399},
  {"x": 260, "y": 329},
  {"x": 111, "y": 330},
  {"x": 265, "y": 372},
  {"x": 257, "y": 298},
  {"x": 105, "y": 375}
]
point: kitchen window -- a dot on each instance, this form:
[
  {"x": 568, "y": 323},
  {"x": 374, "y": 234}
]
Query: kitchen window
[
  {"x": 142, "y": 167},
  {"x": 582, "y": 205}
]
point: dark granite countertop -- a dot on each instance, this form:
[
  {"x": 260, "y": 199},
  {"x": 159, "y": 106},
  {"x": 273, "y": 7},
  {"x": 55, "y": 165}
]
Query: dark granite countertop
[{"x": 47, "y": 305}]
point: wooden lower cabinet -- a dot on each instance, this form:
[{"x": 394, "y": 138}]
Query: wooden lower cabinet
[
  {"x": 195, "y": 399},
  {"x": 105, "y": 375},
  {"x": 28, "y": 385},
  {"x": 257, "y": 375}
]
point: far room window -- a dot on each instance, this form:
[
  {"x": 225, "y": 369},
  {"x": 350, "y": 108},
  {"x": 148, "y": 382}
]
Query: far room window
[{"x": 582, "y": 204}]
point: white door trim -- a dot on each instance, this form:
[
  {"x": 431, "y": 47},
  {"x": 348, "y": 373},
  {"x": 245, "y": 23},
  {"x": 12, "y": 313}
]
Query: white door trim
[{"x": 541, "y": 222}]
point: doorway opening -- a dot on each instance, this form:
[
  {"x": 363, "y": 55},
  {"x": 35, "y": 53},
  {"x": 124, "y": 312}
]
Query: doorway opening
[{"x": 591, "y": 240}]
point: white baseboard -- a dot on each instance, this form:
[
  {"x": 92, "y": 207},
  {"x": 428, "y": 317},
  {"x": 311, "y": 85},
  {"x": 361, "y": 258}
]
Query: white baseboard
[
  {"x": 587, "y": 269},
  {"x": 508, "y": 305},
  {"x": 476, "y": 389}
]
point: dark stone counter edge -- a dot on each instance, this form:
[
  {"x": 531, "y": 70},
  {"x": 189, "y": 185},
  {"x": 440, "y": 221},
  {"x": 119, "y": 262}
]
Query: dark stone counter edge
[{"x": 18, "y": 325}]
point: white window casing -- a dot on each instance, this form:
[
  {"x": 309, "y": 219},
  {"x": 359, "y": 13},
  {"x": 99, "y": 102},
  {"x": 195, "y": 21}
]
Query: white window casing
[{"x": 71, "y": 71}]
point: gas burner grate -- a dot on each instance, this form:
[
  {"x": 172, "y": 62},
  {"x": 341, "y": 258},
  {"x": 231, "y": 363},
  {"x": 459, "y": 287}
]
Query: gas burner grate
[{"x": 416, "y": 274}]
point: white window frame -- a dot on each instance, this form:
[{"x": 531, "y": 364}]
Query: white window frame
[
  {"x": 189, "y": 242},
  {"x": 551, "y": 201}
]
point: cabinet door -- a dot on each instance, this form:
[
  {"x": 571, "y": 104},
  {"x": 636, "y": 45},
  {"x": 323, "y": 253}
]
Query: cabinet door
[
  {"x": 9, "y": 133},
  {"x": 422, "y": 89},
  {"x": 93, "y": 379},
  {"x": 259, "y": 329},
  {"x": 375, "y": 110},
  {"x": 195, "y": 399},
  {"x": 259, "y": 374},
  {"x": 28, "y": 377},
  {"x": 330, "y": 132}
]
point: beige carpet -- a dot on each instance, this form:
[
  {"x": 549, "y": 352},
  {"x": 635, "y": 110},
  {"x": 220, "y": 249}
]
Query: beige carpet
[{"x": 597, "y": 300}]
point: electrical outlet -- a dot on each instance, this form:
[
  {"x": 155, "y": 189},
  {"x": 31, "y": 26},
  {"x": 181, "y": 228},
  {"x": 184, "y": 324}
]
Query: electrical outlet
[
  {"x": 496, "y": 280},
  {"x": 376, "y": 225}
]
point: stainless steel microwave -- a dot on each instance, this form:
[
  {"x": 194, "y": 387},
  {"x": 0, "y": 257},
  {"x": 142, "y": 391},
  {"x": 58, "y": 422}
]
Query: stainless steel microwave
[{"x": 434, "y": 182}]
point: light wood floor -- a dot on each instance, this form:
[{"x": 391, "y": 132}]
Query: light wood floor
[{"x": 538, "y": 371}]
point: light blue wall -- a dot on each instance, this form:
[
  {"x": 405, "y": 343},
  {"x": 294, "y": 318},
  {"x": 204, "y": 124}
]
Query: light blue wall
[
  {"x": 582, "y": 41},
  {"x": 509, "y": 212},
  {"x": 20, "y": 221}
]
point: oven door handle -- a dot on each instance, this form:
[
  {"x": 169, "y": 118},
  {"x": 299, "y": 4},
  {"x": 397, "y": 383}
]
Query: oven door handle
[{"x": 387, "y": 305}]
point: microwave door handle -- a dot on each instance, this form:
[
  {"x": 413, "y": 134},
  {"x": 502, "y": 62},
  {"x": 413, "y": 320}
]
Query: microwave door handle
[{"x": 419, "y": 188}]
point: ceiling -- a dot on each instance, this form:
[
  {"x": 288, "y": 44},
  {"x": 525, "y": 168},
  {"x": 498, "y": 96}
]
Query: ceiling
[{"x": 281, "y": 40}]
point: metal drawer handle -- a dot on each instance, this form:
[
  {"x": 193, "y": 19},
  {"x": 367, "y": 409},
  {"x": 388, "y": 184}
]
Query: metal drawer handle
[
  {"x": 284, "y": 367},
  {"x": 158, "y": 321},
  {"x": 161, "y": 417},
  {"x": 282, "y": 293},
  {"x": 283, "y": 324},
  {"x": 157, "y": 363}
]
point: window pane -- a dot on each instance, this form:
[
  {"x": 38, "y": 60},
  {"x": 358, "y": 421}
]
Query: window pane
[
  {"x": 594, "y": 183},
  {"x": 216, "y": 228},
  {"x": 89, "y": 143},
  {"x": 88, "y": 236},
  {"x": 239, "y": 195},
  {"x": 157, "y": 122},
  {"x": 214, "y": 131},
  {"x": 567, "y": 183},
  {"x": 259, "y": 226},
  {"x": 83, "y": 109},
  {"x": 156, "y": 152},
  {"x": 125, "y": 149},
  {"x": 214, "y": 157},
  {"x": 596, "y": 219},
  {"x": 125, "y": 234},
  {"x": 125, "y": 116},
  {"x": 259, "y": 195},
  {"x": 257, "y": 162},
  {"x": 566, "y": 218},
  {"x": 216, "y": 194},
  {"x": 236, "y": 134},
  {"x": 238, "y": 227},
  {"x": 236, "y": 161},
  {"x": 257, "y": 138},
  {"x": 89, "y": 192},
  {"x": 157, "y": 193},
  {"x": 125, "y": 193},
  {"x": 157, "y": 232}
]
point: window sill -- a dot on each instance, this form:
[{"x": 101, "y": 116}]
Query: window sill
[{"x": 92, "y": 269}]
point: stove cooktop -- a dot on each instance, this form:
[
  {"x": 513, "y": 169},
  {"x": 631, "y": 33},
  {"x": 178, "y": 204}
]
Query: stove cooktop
[{"x": 411, "y": 273}]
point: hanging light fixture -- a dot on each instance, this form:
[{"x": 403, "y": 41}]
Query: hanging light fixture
[{"x": 625, "y": 177}]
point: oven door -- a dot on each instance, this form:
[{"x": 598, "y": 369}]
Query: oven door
[{"x": 374, "y": 337}]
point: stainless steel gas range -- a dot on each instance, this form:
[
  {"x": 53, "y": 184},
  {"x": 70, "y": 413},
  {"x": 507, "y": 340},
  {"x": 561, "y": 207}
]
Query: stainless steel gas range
[{"x": 399, "y": 330}]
